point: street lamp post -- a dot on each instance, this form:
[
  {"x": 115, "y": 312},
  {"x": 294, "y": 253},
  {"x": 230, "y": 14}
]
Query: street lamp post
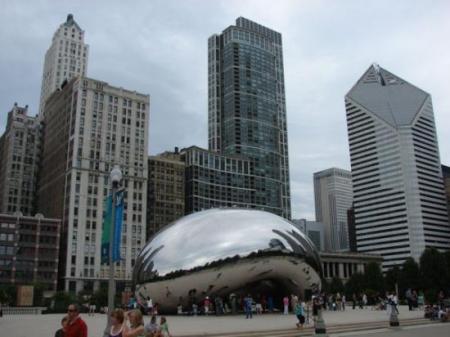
[{"x": 116, "y": 177}]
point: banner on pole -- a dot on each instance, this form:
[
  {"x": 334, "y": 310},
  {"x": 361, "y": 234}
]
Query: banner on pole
[
  {"x": 107, "y": 219},
  {"x": 118, "y": 226}
]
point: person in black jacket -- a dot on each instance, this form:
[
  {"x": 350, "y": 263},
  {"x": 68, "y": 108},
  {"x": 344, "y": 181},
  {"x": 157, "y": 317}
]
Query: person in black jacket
[{"x": 61, "y": 332}]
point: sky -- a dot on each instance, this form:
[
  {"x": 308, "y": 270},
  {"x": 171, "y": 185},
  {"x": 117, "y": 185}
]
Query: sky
[{"x": 160, "y": 48}]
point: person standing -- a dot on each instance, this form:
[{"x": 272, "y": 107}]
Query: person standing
[
  {"x": 76, "y": 327},
  {"x": 61, "y": 332},
  {"x": 136, "y": 324},
  {"x": 286, "y": 305},
  {"x": 117, "y": 326},
  {"x": 299, "y": 312},
  {"x": 149, "y": 306},
  {"x": 248, "y": 306},
  {"x": 343, "y": 302},
  {"x": 364, "y": 300},
  {"x": 270, "y": 303},
  {"x": 408, "y": 296},
  {"x": 206, "y": 304},
  {"x": 164, "y": 327}
]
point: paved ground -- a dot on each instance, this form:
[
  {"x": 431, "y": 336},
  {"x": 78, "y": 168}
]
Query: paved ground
[
  {"x": 435, "y": 330},
  {"x": 46, "y": 325}
]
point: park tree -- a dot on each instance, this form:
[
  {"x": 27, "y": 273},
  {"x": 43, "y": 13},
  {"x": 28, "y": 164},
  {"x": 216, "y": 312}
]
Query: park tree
[
  {"x": 409, "y": 276},
  {"x": 336, "y": 286},
  {"x": 374, "y": 280},
  {"x": 391, "y": 278},
  {"x": 433, "y": 273},
  {"x": 355, "y": 285}
]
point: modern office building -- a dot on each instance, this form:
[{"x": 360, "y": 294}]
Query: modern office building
[
  {"x": 213, "y": 180},
  {"x": 247, "y": 107},
  {"x": 399, "y": 200},
  {"x": 314, "y": 230},
  {"x": 20, "y": 150},
  {"x": 91, "y": 126},
  {"x": 333, "y": 196},
  {"x": 165, "y": 190},
  {"x": 67, "y": 57},
  {"x": 446, "y": 176},
  {"x": 29, "y": 249}
]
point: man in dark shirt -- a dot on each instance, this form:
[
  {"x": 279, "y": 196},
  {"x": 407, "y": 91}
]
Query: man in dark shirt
[{"x": 76, "y": 327}]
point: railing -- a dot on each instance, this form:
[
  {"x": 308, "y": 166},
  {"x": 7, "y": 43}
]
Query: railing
[{"x": 22, "y": 310}]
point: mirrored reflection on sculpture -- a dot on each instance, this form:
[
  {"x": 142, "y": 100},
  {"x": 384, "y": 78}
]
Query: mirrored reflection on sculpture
[{"x": 223, "y": 251}]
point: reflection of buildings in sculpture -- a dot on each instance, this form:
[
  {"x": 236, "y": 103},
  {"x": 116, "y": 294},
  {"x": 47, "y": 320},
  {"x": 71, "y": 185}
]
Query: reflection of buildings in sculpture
[
  {"x": 314, "y": 230},
  {"x": 446, "y": 177},
  {"x": 222, "y": 251},
  {"x": 344, "y": 265}
]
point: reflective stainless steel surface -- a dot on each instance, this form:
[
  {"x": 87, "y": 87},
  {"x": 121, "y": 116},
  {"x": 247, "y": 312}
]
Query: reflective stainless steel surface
[{"x": 219, "y": 251}]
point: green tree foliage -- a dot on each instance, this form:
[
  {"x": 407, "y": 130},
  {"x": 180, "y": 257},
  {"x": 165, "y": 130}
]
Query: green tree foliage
[
  {"x": 336, "y": 286},
  {"x": 62, "y": 300},
  {"x": 433, "y": 273},
  {"x": 409, "y": 276},
  {"x": 374, "y": 280},
  {"x": 391, "y": 278},
  {"x": 355, "y": 285}
]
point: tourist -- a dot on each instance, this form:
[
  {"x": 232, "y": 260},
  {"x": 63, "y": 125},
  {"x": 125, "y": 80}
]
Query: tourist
[
  {"x": 151, "y": 329},
  {"x": 136, "y": 324},
  {"x": 294, "y": 301},
  {"x": 258, "y": 308},
  {"x": 286, "y": 305},
  {"x": 354, "y": 301},
  {"x": 248, "y": 306},
  {"x": 315, "y": 308},
  {"x": 270, "y": 303},
  {"x": 364, "y": 300},
  {"x": 149, "y": 306},
  {"x": 300, "y": 313},
  {"x": 61, "y": 332},
  {"x": 164, "y": 327},
  {"x": 408, "y": 296},
  {"x": 117, "y": 326},
  {"x": 206, "y": 304},
  {"x": 76, "y": 327},
  {"x": 343, "y": 302}
]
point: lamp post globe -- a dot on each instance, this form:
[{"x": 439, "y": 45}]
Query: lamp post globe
[{"x": 116, "y": 175}]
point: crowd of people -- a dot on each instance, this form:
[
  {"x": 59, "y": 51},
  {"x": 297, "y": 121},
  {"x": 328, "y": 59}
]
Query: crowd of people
[
  {"x": 123, "y": 324},
  {"x": 128, "y": 321}
]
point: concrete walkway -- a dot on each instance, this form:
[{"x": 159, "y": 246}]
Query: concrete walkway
[{"x": 46, "y": 325}]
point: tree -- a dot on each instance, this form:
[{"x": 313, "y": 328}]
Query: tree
[
  {"x": 409, "y": 276},
  {"x": 336, "y": 286},
  {"x": 374, "y": 281},
  {"x": 355, "y": 285},
  {"x": 433, "y": 273},
  {"x": 62, "y": 300},
  {"x": 38, "y": 294},
  {"x": 391, "y": 278}
]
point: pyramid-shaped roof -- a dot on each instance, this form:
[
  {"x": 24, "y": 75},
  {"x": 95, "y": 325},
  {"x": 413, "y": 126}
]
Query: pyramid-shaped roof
[{"x": 388, "y": 96}]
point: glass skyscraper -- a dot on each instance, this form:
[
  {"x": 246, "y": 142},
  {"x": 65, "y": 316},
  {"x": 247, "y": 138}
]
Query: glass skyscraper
[{"x": 247, "y": 108}]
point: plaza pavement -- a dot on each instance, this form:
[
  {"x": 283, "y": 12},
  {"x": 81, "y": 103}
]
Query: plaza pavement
[{"x": 46, "y": 325}]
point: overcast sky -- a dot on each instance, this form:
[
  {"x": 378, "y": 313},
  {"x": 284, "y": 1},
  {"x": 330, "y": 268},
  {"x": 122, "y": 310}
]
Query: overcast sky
[{"x": 160, "y": 48}]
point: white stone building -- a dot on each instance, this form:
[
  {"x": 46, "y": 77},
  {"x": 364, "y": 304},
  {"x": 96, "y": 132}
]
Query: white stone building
[
  {"x": 89, "y": 127},
  {"x": 66, "y": 58}
]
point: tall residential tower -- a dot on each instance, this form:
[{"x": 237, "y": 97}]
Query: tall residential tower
[
  {"x": 247, "y": 108},
  {"x": 399, "y": 201},
  {"x": 66, "y": 58}
]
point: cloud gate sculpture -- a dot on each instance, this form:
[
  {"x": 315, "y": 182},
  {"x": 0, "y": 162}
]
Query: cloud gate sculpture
[{"x": 222, "y": 251}]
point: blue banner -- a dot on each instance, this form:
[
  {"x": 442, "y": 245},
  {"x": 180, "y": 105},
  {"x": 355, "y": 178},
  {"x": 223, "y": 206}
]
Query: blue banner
[
  {"x": 118, "y": 226},
  {"x": 107, "y": 223}
]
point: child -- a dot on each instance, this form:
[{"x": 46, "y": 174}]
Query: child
[
  {"x": 164, "y": 327},
  {"x": 64, "y": 322}
]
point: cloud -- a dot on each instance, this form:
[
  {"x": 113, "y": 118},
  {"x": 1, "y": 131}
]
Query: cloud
[{"x": 160, "y": 48}]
